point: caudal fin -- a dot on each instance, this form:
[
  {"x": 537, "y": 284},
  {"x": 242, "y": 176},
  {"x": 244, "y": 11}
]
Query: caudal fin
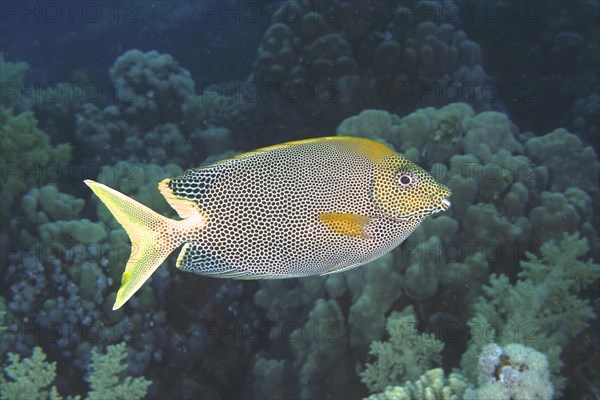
[{"x": 153, "y": 237}]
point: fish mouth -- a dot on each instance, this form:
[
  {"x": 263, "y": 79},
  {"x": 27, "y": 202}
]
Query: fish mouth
[{"x": 443, "y": 205}]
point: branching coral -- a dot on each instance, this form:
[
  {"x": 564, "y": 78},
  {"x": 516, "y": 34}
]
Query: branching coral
[
  {"x": 106, "y": 376},
  {"x": 542, "y": 309},
  {"x": 29, "y": 378},
  {"x": 514, "y": 372},
  {"x": 32, "y": 378},
  {"x": 405, "y": 356}
]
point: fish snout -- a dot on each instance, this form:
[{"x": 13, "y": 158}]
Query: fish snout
[
  {"x": 443, "y": 201},
  {"x": 445, "y": 204},
  {"x": 441, "y": 205}
]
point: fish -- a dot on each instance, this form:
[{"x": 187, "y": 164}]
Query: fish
[{"x": 308, "y": 207}]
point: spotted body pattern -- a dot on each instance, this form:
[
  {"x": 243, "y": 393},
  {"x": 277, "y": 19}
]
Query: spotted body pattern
[{"x": 298, "y": 209}]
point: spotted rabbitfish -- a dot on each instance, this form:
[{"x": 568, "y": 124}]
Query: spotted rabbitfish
[{"x": 309, "y": 207}]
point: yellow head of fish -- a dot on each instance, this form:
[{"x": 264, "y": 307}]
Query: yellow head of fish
[{"x": 403, "y": 190}]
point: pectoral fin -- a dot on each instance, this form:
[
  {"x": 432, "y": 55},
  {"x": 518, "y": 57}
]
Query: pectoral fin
[{"x": 347, "y": 224}]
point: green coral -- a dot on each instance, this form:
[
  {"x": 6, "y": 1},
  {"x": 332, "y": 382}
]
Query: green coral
[
  {"x": 405, "y": 356},
  {"x": 12, "y": 72},
  {"x": 56, "y": 104},
  {"x": 542, "y": 309},
  {"x": 106, "y": 380},
  {"x": 12, "y": 76},
  {"x": 379, "y": 286},
  {"x": 370, "y": 124},
  {"x": 323, "y": 350},
  {"x": 26, "y": 156},
  {"x": 52, "y": 217},
  {"x": 561, "y": 151},
  {"x": 270, "y": 379},
  {"x": 32, "y": 378},
  {"x": 210, "y": 109},
  {"x": 432, "y": 385}
]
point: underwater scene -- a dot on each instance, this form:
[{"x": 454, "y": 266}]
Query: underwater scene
[{"x": 303, "y": 199}]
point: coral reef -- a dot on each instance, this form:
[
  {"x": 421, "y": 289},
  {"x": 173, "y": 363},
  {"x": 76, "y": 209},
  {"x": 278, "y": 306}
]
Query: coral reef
[
  {"x": 323, "y": 350},
  {"x": 12, "y": 83},
  {"x": 32, "y": 378},
  {"x": 157, "y": 118},
  {"x": 552, "y": 39},
  {"x": 560, "y": 150},
  {"x": 147, "y": 83},
  {"x": 494, "y": 175},
  {"x": 56, "y": 105},
  {"x": 432, "y": 385},
  {"x": 335, "y": 60},
  {"x": 106, "y": 379},
  {"x": 397, "y": 70},
  {"x": 62, "y": 270},
  {"x": 27, "y": 157},
  {"x": 207, "y": 110},
  {"x": 270, "y": 378},
  {"x": 514, "y": 372},
  {"x": 405, "y": 357},
  {"x": 542, "y": 309},
  {"x": 52, "y": 217},
  {"x": 500, "y": 211},
  {"x": 152, "y": 91}
]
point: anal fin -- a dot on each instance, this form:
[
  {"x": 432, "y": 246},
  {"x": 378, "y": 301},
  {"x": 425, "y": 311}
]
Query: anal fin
[
  {"x": 340, "y": 268},
  {"x": 195, "y": 259}
]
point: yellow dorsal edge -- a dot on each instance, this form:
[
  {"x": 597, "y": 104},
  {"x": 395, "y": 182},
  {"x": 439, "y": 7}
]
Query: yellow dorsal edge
[{"x": 371, "y": 149}]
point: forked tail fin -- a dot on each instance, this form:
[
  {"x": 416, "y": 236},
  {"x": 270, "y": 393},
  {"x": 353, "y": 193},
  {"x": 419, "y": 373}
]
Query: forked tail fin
[{"x": 153, "y": 237}]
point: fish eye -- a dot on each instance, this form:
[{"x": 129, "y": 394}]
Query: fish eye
[{"x": 406, "y": 179}]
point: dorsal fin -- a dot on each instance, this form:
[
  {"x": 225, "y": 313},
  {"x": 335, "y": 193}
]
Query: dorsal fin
[
  {"x": 366, "y": 147},
  {"x": 184, "y": 208}
]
